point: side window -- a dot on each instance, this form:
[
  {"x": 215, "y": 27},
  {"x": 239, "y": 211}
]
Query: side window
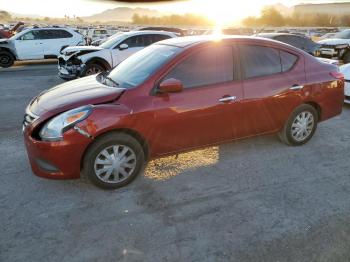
[
  {"x": 157, "y": 38},
  {"x": 46, "y": 34},
  {"x": 287, "y": 60},
  {"x": 209, "y": 66},
  {"x": 62, "y": 34},
  {"x": 134, "y": 41},
  {"x": 32, "y": 35},
  {"x": 259, "y": 61}
]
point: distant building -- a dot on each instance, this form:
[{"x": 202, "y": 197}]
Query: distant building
[{"x": 327, "y": 8}]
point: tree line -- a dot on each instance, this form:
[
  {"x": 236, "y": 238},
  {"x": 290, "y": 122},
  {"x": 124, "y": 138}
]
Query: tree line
[
  {"x": 186, "y": 19},
  {"x": 272, "y": 17}
]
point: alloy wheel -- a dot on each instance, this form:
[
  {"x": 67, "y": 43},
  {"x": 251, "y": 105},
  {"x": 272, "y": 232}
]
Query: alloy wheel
[
  {"x": 115, "y": 164},
  {"x": 92, "y": 71}
]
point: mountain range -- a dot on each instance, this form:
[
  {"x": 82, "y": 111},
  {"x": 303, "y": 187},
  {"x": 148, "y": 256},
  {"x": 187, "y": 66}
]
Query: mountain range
[{"x": 124, "y": 14}]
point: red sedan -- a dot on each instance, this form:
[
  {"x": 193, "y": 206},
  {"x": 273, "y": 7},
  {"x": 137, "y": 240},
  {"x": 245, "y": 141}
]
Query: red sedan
[{"x": 175, "y": 96}]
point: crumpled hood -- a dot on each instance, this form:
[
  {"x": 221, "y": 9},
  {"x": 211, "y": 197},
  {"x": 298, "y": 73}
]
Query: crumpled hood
[
  {"x": 71, "y": 49},
  {"x": 334, "y": 41},
  {"x": 73, "y": 94}
]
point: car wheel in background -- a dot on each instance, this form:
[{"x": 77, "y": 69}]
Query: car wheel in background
[
  {"x": 6, "y": 59},
  {"x": 92, "y": 69},
  {"x": 346, "y": 57},
  {"x": 300, "y": 126},
  {"x": 113, "y": 160}
]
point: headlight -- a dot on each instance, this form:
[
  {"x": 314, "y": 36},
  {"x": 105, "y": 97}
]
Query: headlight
[
  {"x": 53, "y": 130},
  {"x": 341, "y": 46}
]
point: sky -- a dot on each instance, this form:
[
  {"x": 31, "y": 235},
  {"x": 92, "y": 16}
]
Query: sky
[{"x": 219, "y": 10}]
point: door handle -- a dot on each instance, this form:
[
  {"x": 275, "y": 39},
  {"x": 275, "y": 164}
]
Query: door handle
[
  {"x": 296, "y": 87},
  {"x": 227, "y": 99}
]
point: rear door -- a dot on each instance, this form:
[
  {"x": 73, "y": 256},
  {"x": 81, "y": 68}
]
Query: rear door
[
  {"x": 272, "y": 80},
  {"x": 29, "y": 46},
  {"x": 208, "y": 110},
  {"x": 53, "y": 40}
]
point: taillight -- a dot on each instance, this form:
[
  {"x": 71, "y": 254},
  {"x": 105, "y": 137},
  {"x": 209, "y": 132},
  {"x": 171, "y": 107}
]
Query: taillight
[{"x": 337, "y": 75}]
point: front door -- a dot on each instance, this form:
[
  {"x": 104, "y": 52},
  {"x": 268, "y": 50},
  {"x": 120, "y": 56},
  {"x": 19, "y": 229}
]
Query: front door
[
  {"x": 134, "y": 44},
  {"x": 29, "y": 46},
  {"x": 207, "y": 111}
]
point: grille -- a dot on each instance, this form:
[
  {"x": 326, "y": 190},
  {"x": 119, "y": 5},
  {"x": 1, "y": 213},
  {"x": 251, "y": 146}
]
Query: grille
[{"x": 28, "y": 118}]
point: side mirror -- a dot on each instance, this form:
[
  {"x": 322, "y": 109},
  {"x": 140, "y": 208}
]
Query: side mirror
[
  {"x": 123, "y": 47},
  {"x": 170, "y": 85}
]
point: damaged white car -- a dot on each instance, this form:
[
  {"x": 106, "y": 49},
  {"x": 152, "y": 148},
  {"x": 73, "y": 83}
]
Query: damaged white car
[
  {"x": 80, "y": 61},
  {"x": 337, "y": 47}
]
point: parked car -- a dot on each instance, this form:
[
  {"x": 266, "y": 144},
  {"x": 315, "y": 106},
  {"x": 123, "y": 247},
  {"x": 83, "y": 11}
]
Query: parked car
[
  {"x": 97, "y": 34},
  {"x": 337, "y": 47},
  {"x": 327, "y": 36},
  {"x": 297, "y": 41},
  {"x": 345, "y": 69},
  {"x": 37, "y": 43},
  {"x": 79, "y": 61},
  {"x": 300, "y": 42},
  {"x": 174, "y": 96}
]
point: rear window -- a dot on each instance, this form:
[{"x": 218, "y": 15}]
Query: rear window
[
  {"x": 287, "y": 60},
  {"x": 260, "y": 61},
  {"x": 263, "y": 61}
]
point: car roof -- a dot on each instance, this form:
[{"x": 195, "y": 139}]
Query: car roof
[
  {"x": 272, "y": 35},
  {"x": 194, "y": 40},
  {"x": 146, "y": 32}
]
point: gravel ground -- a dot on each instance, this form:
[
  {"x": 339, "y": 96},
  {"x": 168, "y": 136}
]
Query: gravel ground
[{"x": 252, "y": 200}]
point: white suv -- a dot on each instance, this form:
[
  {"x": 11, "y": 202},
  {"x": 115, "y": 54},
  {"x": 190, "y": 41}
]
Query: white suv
[
  {"x": 79, "y": 61},
  {"x": 37, "y": 43}
]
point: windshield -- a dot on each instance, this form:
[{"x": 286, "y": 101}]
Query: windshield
[
  {"x": 343, "y": 35},
  {"x": 138, "y": 67},
  {"x": 112, "y": 40}
]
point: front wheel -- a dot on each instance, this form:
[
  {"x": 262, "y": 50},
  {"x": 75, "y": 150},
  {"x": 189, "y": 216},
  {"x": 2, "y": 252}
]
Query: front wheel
[
  {"x": 6, "y": 59},
  {"x": 300, "y": 126},
  {"x": 113, "y": 161},
  {"x": 92, "y": 69}
]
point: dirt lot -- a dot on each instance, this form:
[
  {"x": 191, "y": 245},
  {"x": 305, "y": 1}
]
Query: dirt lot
[{"x": 252, "y": 200}]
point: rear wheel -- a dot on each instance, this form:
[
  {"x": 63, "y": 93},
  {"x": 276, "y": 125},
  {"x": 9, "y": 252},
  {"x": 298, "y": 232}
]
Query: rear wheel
[
  {"x": 113, "y": 161},
  {"x": 92, "y": 69},
  {"x": 6, "y": 59},
  {"x": 300, "y": 126}
]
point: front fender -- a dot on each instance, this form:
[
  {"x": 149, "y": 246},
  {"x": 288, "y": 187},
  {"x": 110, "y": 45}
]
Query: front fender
[{"x": 105, "y": 118}]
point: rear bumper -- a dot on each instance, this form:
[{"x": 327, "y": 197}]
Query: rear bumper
[{"x": 57, "y": 160}]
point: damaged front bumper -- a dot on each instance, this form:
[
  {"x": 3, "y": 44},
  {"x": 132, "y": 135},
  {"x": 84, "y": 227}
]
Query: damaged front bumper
[
  {"x": 70, "y": 67},
  {"x": 333, "y": 51}
]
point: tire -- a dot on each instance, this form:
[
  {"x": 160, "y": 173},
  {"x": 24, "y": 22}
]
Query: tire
[
  {"x": 346, "y": 57},
  {"x": 6, "y": 59},
  {"x": 100, "y": 166},
  {"x": 92, "y": 69},
  {"x": 300, "y": 126}
]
